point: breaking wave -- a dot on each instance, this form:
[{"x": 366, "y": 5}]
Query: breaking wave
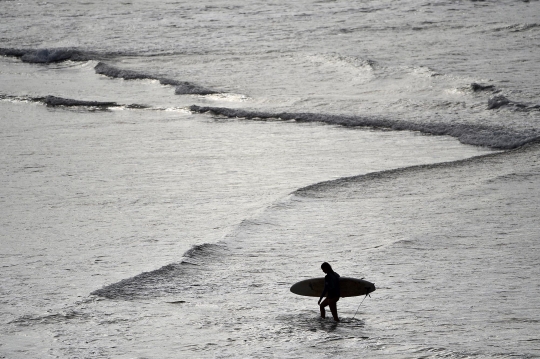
[
  {"x": 169, "y": 279},
  {"x": 54, "y": 101},
  {"x": 476, "y": 87},
  {"x": 501, "y": 101},
  {"x": 55, "y": 55},
  {"x": 519, "y": 27},
  {"x": 181, "y": 87},
  {"x": 321, "y": 189},
  {"x": 69, "y": 315},
  {"x": 48, "y": 56},
  {"x": 492, "y": 137}
]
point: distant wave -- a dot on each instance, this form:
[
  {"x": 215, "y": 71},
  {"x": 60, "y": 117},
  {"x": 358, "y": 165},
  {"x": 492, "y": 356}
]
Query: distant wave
[
  {"x": 54, "y": 101},
  {"x": 354, "y": 61},
  {"x": 60, "y": 54},
  {"x": 169, "y": 279},
  {"x": 181, "y": 87},
  {"x": 476, "y": 87},
  {"x": 61, "y": 317},
  {"x": 53, "y": 55},
  {"x": 321, "y": 189},
  {"x": 496, "y": 138},
  {"x": 501, "y": 101},
  {"x": 519, "y": 27}
]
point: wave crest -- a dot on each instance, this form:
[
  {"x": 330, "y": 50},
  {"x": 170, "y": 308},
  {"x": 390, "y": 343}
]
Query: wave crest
[
  {"x": 55, "y": 101},
  {"x": 47, "y": 56},
  {"x": 170, "y": 279},
  {"x": 496, "y": 138},
  {"x": 476, "y": 87},
  {"x": 181, "y": 87},
  {"x": 501, "y": 101}
]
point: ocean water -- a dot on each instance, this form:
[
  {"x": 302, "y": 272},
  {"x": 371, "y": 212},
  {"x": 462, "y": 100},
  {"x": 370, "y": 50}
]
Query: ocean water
[{"x": 170, "y": 169}]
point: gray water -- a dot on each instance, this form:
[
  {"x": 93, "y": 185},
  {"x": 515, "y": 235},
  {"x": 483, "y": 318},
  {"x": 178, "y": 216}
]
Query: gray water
[{"x": 169, "y": 170}]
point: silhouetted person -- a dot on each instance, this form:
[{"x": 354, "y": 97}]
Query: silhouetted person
[{"x": 331, "y": 290}]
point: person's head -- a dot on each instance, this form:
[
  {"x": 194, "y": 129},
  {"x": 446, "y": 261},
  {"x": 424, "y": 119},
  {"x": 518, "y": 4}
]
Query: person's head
[{"x": 326, "y": 268}]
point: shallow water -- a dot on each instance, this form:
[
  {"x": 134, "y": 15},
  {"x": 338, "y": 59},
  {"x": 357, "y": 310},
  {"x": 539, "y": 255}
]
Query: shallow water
[{"x": 98, "y": 197}]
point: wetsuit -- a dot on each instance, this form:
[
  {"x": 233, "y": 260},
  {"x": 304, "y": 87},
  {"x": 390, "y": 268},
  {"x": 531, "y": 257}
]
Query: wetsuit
[{"x": 331, "y": 286}]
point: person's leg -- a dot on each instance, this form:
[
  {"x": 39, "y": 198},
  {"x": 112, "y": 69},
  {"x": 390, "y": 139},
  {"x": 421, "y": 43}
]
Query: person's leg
[
  {"x": 333, "y": 307},
  {"x": 323, "y": 304}
]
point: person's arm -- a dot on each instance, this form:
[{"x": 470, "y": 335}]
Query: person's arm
[{"x": 325, "y": 290}]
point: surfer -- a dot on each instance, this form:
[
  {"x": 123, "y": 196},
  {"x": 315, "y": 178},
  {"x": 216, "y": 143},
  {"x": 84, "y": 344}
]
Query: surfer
[{"x": 331, "y": 290}]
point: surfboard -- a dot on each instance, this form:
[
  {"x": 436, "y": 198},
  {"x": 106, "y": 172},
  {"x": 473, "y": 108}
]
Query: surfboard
[{"x": 348, "y": 287}]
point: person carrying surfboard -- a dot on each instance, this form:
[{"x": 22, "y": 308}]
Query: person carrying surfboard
[{"x": 331, "y": 290}]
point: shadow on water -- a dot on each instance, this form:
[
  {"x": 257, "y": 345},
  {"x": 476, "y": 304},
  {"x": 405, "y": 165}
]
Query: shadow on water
[{"x": 307, "y": 321}]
